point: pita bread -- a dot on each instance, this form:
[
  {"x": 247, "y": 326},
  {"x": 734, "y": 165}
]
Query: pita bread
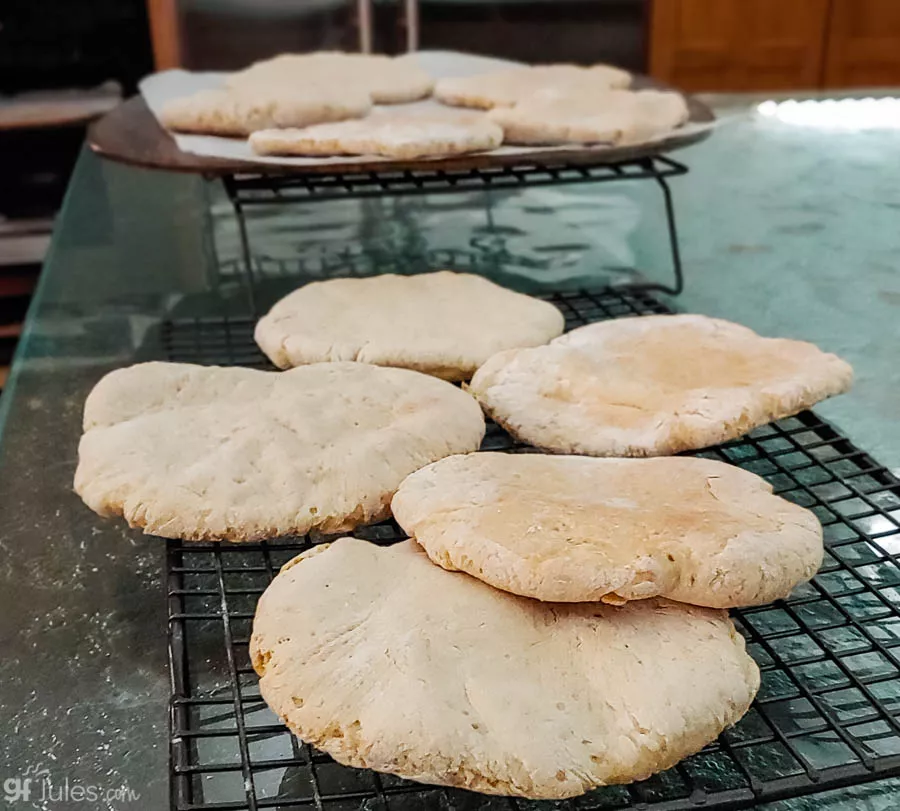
[
  {"x": 400, "y": 136},
  {"x": 237, "y": 114},
  {"x": 445, "y": 324},
  {"x": 653, "y": 385},
  {"x": 210, "y": 453},
  {"x": 578, "y": 529},
  {"x": 387, "y": 662},
  {"x": 617, "y": 117},
  {"x": 386, "y": 79},
  {"x": 505, "y": 88}
]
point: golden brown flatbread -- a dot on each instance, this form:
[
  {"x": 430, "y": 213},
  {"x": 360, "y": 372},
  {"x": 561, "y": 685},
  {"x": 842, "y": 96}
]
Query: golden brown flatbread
[
  {"x": 579, "y": 529},
  {"x": 653, "y": 385},
  {"x": 388, "y": 662}
]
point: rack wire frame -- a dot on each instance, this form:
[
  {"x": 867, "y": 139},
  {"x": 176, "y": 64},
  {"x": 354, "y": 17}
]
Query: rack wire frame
[
  {"x": 260, "y": 190},
  {"x": 827, "y": 714}
]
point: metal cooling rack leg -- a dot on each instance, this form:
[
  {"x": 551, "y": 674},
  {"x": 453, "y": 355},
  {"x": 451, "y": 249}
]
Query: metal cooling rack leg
[
  {"x": 246, "y": 261},
  {"x": 180, "y": 789},
  {"x": 214, "y": 272},
  {"x": 673, "y": 242}
]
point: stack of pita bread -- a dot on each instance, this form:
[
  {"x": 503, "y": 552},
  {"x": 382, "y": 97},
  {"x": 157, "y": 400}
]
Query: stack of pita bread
[
  {"x": 555, "y": 622},
  {"x": 565, "y": 104},
  {"x": 321, "y": 104}
]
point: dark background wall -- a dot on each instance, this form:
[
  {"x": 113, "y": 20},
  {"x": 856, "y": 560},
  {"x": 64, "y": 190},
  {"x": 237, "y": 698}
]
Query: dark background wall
[
  {"x": 541, "y": 30},
  {"x": 72, "y": 43}
]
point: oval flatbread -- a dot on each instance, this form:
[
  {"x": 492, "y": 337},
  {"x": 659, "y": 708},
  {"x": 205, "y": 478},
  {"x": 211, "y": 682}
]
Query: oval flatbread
[
  {"x": 618, "y": 117},
  {"x": 445, "y": 324},
  {"x": 577, "y": 529},
  {"x": 239, "y": 113},
  {"x": 210, "y": 453},
  {"x": 504, "y": 88},
  {"x": 653, "y": 385},
  {"x": 386, "y": 79},
  {"x": 392, "y": 135},
  {"x": 387, "y": 662}
]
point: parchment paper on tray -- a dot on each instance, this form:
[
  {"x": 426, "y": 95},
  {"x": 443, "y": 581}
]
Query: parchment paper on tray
[{"x": 162, "y": 87}]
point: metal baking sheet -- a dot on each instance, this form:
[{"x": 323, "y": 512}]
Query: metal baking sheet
[{"x": 160, "y": 88}]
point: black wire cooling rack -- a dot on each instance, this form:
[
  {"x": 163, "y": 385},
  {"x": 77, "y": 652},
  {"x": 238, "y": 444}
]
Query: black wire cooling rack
[
  {"x": 247, "y": 191},
  {"x": 827, "y": 714}
]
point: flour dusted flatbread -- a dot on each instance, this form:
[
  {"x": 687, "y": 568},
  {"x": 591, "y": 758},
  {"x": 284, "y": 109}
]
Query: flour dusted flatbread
[
  {"x": 617, "y": 117},
  {"x": 386, "y": 79},
  {"x": 239, "y": 113},
  {"x": 653, "y": 385},
  {"x": 504, "y": 88},
  {"x": 578, "y": 529},
  {"x": 388, "y": 662},
  {"x": 208, "y": 453},
  {"x": 445, "y": 324},
  {"x": 404, "y": 136}
]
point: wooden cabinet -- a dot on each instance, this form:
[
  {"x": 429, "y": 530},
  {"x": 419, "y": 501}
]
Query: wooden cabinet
[
  {"x": 745, "y": 45},
  {"x": 863, "y": 44},
  {"x": 691, "y": 43},
  {"x": 780, "y": 43}
]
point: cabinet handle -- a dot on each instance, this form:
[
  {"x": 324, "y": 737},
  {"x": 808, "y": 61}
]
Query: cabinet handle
[
  {"x": 411, "y": 23},
  {"x": 364, "y": 24}
]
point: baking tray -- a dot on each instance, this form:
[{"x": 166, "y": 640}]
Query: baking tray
[
  {"x": 826, "y": 715},
  {"x": 131, "y": 134}
]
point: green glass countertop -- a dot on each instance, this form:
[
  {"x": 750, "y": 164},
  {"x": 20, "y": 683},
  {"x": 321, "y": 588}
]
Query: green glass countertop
[{"x": 790, "y": 230}]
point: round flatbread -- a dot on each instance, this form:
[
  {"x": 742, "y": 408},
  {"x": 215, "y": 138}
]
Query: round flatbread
[
  {"x": 653, "y": 385},
  {"x": 386, "y": 79},
  {"x": 402, "y": 136},
  {"x": 505, "y": 88},
  {"x": 239, "y": 113},
  {"x": 444, "y": 324},
  {"x": 617, "y": 117},
  {"x": 387, "y": 662},
  {"x": 210, "y": 453},
  {"x": 578, "y": 529}
]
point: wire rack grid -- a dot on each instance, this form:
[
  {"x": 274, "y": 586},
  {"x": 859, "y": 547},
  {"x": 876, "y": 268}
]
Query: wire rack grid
[{"x": 827, "y": 714}]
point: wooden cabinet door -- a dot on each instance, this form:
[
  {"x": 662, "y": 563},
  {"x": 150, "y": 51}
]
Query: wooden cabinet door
[
  {"x": 782, "y": 43},
  {"x": 732, "y": 45},
  {"x": 863, "y": 44},
  {"x": 692, "y": 43}
]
